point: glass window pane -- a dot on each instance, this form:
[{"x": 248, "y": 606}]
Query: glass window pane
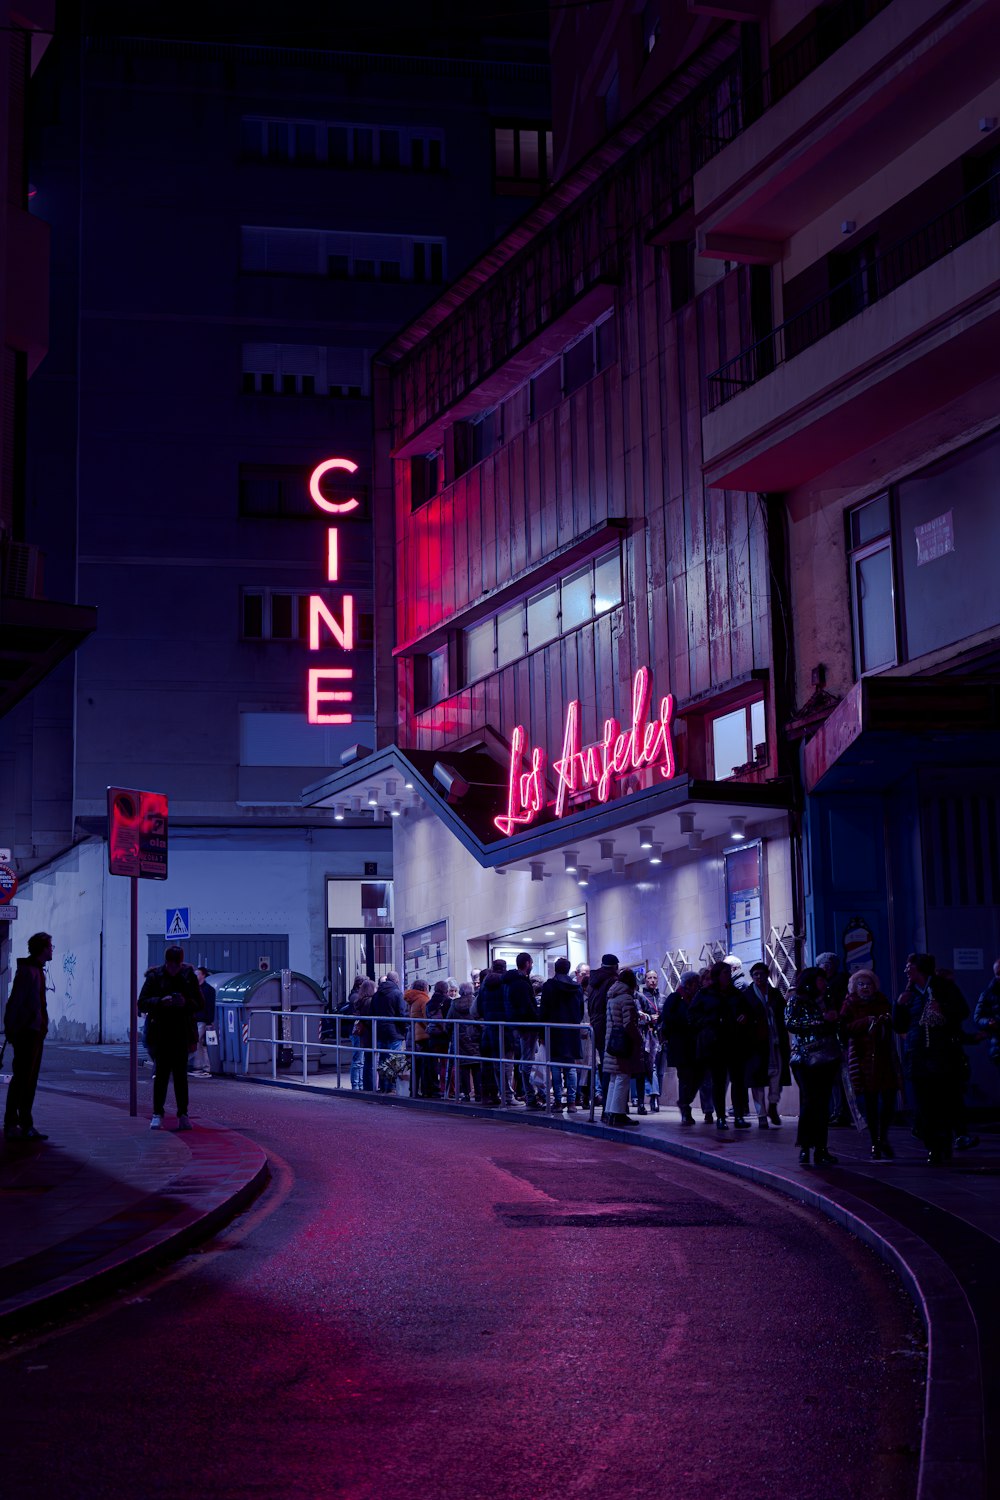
[
  {"x": 253, "y": 616},
  {"x": 607, "y": 583},
  {"x": 578, "y": 364},
  {"x": 548, "y": 154},
  {"x": 876, "y": 625},
  {"x": 543, "y": 618},
  {"x": 504, "y": 147},
  {"x": 281, "y": 617},
  {"x": 758, "y": 726},
  {"x": 479, "y": 650},
  {"x": 376, "y": 903},
  {"x": 870, "y": 521},
  {"x": 510, "y": 634},
  {"x": 437, "y": 663},
  {"x": 729, "y": 743},
  {"x": 576, "y": 600},
  {"x": 529, "y": 155}
]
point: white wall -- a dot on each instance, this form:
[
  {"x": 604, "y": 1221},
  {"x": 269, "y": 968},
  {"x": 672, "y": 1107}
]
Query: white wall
[{"x": 277, "y": 884}]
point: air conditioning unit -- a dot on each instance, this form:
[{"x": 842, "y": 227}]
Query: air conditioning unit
[{"x": 22, "y": 570}]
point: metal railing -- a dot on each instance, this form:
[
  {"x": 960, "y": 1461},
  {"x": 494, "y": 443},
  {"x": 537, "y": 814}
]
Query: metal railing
[
  {"x": 283, "y": 1024},
  {"x": 752, "y": 94},
  {"x": 879, "y": 276}
]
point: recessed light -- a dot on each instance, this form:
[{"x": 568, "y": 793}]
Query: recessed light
[
  {"x": 550, "y": 934},
  {"x": 645, "y": 838},
  {"x": 569, "y": 859},
  {"x": 338, "y": 813}
]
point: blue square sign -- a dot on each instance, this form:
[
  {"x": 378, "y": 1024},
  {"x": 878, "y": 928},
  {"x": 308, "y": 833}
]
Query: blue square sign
[{"x": 178, "y": 924}]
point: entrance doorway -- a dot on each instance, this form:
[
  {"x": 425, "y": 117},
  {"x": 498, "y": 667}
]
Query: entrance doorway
[
  {"x": 562, "y": 937},
  {"x": 354, "y": 953}
]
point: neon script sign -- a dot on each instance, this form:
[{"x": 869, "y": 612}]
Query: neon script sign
[
  {"x": 646, "y": 744},
  {"x": 327, "y": 685}
]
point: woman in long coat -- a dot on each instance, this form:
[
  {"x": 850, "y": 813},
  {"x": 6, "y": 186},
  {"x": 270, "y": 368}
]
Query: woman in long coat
[
  {"x": 624, "y": 1012},
  {"x": 872, "y": 1065},
  {"x": 813, "y": 1023}
]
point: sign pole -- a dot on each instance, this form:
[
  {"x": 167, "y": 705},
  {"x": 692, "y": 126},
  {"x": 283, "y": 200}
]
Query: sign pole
[{"x": 133, "y": 1031}]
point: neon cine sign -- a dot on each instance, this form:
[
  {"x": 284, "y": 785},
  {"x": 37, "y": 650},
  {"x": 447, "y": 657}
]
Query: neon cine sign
[
  {"x": 328, "y": 685},
  {"x": 646, "y": 744}
]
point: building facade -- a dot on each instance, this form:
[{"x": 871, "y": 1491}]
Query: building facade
[
  {"x": 237, "y": 226},
  {"x": 578, "y": 707}
]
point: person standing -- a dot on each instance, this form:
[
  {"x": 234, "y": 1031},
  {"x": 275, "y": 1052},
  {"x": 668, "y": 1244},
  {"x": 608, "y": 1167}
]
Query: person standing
[
  {"x": 649, "y": 1004},
  {"x": 621, "y": 1067},
  {"x": 987, "y": 1014},
  {"x": 813, "y": 1022},
  {"x": 836, "y": 994},
  {"x": 872, "y": 1066},
  {"x": 561, "y": 1005},
  {"x": 438, "y": 1037},
  {"x": 522, "y": 1010},
  {"x": 362, "y": 1059},
  {"x": 772, "y": 1072},
  {"x": 490, "y": 1007},
  {"x": 204, "y": 1018},
  {"x": 170, "y": 997},
  {"x": 678, "y": 1041},
  {"x": 469, "y": 1036},
  {"x": 390, "y": 1023},
  {"x": 416, "y": 997},
  {"x": 26, "y": 1024},
  {"x": 711, "y": 1021},
  {"x": 601, "y": 981},
  {"x": 929, "y": 1015}
]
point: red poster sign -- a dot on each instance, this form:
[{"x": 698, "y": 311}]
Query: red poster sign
[{"x": 137, "y": 833}]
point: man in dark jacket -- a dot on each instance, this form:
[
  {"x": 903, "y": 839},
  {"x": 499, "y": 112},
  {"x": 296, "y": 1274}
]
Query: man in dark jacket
[
  {"x": 26, "y": 1022},
  {"x": 522, "y": 1011},
  {"x": 769, "y": 1071},
  {"x": 711, "y": 1021},
  {"x": 204, "y": 1017},
  {"x": 561, "y": 1004},
  {"x": 987, "y": 1013},
  {"x": 171, "y": 998},
  {"x": 929, "y": 1015},
  {"x": 601, "y": 981},
  {"x": 390, "y": 1034},
  {"x": 490, "y": 1006}
]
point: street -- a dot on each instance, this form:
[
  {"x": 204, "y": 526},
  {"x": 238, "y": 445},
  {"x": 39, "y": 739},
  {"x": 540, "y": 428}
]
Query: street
[{"x": 444, "y": 1307}]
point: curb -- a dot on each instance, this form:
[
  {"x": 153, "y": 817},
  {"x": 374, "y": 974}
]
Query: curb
[
  {"x": 207, "y": 1205},
  {"x": 952, "y": 1449}
]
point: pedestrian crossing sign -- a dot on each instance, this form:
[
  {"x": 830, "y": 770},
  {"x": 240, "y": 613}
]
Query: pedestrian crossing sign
[{"x": 178, "y": 923}]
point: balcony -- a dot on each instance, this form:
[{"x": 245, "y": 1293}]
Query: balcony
[
  {"x": 844, "y": 103},
  {"x": 907, "y": 333}
]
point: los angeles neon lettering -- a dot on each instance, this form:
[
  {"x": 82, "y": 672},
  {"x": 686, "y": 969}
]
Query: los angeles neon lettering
[
  {"x": 646, "y": 743},
  {"x": 320, "y": 693}
]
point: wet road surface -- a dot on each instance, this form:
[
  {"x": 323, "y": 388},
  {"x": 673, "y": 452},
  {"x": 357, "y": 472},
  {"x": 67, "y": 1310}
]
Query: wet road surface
[{"x": 456, "y": 1308}]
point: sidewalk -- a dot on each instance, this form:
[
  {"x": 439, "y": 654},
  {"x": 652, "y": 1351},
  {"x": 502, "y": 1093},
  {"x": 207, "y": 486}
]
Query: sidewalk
[
  {"x": 938, "y": 1228},
  {"x": 104, "y": 1198}
]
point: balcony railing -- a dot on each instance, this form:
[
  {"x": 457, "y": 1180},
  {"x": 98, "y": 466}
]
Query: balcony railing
[
  {"x": 746, "y": 97},
  {"x": 879, "y": 276}
]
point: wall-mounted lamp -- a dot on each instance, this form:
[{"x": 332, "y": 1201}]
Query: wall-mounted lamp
[
  {"x": 607, "y": 848},
  {"x": 569, "y": 859},
  {"x": 355, "y": 805},
  {"x": 737, "y": 828},
  {"x": 656, "y": 854},
  {"x": 338, "y": 812},
  {"x": 537, "y": 870},
  {"x": 618, "y": 864},
  {"x": 645, "y": 838},
  {"x": 372, "y": 796},
  {"x": 686, "y": 820},
  {"x": 583, "y": 875},
  {"x": 408, "y": 785},
  {"x": 695, "y": 838},
  {"x": 390, "y": 790},
  {"x": 454, "y": 784},
  {"x": 396, "y": 810}
]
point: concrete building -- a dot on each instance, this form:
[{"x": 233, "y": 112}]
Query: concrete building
[
  {"x": 578, "y": 709},
  {"x": 238, "y": 223},
  {"x": 859, "y": 176}
]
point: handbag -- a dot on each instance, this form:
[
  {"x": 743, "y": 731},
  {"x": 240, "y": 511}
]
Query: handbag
[
  {"x": 617, "y": 1044},
  {"x": 826, "y": 1049}
]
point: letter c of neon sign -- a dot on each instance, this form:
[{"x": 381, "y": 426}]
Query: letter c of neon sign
[{"x": 336, "y": 508}]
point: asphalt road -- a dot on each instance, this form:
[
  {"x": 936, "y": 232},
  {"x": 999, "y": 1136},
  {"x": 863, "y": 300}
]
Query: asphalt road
[{"x": 457, "y": 1308}]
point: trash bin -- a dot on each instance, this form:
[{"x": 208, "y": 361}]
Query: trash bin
[{"x": 244, "y": 1046}]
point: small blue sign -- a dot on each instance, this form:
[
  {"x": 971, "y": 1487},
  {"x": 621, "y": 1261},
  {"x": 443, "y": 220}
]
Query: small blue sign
[{"x": 178, "y": 923}]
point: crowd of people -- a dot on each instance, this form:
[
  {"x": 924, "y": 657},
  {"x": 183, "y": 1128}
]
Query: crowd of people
[{"x": 508, "y": 1036}]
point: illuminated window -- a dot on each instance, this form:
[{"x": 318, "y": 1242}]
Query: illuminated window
[
  {"x": 522, "y": 157},
  {"x": 739, "y": 739},
  {"x": 542, "y": 617},
  {"x": 873, "y": 600}
]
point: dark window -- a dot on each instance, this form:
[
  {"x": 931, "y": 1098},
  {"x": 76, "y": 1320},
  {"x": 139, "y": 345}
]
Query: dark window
[
  {"x": 437, "y": 263},
  {"x": 578, "y": 364},
  {"x": 681, "y": 273},
  {"x": 253, "y": 616},
  {"x": 430, "y": 678},
  {"x": 487, "y": 434},
  {"x": 419, "y": 262},
  {"x": 546, "y": 390},
  {"x": 364, "y": 270},
  {"x": 249, "y": 382},
  {"x": 338, "y": 266},
  {"x": 252, "y": 139},
  {"x": 853, "y": 280},
  {"x": 873, "y": 601},
  {"x": 283, "y": 617},
  {"x": 308, "y": 385},
  {"x": 305, "y": 143},
  {"x": 389, "y": 270},
  {"x": 607, "y": 344},
  {"x": 425, "y": 478},
  {"x": 522, "y": 154},
  {"x": 417, "y": 154},
  {"x": 434, "y": 155},
  {"x": 363, "y": 148},
  {"x": 388, "y": 148},
  {"x": 277, "y": 140},
  {"x": 336, "y": 146}
]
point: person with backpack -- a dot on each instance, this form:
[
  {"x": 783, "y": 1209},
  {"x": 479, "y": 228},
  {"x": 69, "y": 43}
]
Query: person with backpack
[{"x": 170, "y": 997}]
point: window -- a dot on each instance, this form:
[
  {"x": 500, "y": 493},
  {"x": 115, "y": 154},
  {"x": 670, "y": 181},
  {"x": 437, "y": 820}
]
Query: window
[
  {"x": 650, "y": 26},
  {"x": 342, "y": 255},
  {"x": 522, "y": 156},
  {"x": 426, "y": 472},
  {"x": 273, "y": 615},
  {"x": 305, "y": 370},
  {"x": 487, "y": 434},
  {"x": 739, "y": 739},
  {"x": 338, "y": 144},
  {"x": 542, "y": 617},
  {"x": 873, "y": 604},
  {"x": 681, "y": 273},
  {"x": 430, "y": 678},
  {"x": 579, "y": 362},
  {"x": 280, "y": 492}
]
